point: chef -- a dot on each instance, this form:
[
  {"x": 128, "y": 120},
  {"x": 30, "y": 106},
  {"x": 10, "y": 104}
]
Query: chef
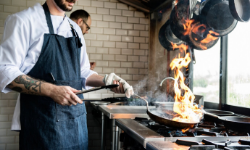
[{"x": 43, "y": 56}]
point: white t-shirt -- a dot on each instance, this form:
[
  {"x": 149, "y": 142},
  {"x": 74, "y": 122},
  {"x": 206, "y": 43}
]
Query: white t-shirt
[{"x": 22, "y": 43}]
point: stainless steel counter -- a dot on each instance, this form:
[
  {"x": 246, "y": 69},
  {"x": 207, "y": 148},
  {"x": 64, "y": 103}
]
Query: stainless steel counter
[{"x": 139, "y": 132}]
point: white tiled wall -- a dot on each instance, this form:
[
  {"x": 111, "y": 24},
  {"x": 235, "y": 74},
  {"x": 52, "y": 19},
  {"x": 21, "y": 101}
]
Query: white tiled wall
[{"x": 117, "y": 42}]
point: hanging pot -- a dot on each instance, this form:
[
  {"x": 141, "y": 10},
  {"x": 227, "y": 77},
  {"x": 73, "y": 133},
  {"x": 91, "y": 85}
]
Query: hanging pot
[
  {"x": 216, "y": 15},
  {"x": 167, "y": 38},
  {"x": 240, "y": 9}
]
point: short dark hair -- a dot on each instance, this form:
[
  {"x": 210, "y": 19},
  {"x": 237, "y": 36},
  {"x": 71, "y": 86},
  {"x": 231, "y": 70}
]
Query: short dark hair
[{"x": 80, "y": 13}]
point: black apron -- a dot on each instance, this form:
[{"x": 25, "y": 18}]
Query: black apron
[{"x": 46, "y": 125}]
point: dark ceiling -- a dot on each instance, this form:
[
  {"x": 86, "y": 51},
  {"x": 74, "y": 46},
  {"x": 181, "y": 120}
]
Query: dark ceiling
[{"x": 146, "y": 5}]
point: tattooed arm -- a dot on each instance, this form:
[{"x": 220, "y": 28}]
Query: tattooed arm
[{"x": 63, "y": 95}]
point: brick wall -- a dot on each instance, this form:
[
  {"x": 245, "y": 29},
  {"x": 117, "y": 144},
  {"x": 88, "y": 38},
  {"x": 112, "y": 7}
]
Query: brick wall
[{"x": 117, "y": 42}]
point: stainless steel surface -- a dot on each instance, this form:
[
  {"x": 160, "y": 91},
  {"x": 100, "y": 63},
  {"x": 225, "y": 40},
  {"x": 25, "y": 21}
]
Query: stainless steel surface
[
  {"x": 100, "y": 103},
  {"x": 162, "y": 145},
  {"x": 102, "y": 134},
  {"x": 113, "y": 135},
  {"x": 126, "y": 112},
  {"x": 139, "y": 132}
]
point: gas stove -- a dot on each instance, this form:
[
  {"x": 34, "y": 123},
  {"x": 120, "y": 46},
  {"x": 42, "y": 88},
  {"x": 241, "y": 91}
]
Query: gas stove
[{"x": 207, "y": 135}]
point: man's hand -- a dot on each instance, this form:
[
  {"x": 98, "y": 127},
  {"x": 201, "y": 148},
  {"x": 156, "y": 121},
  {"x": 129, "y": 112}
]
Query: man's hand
[
  {"x": 65, "y": 95},
  {"x": 118, "y": 89}
]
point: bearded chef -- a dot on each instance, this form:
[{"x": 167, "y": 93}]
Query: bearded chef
[{"x": 43, "y": 56}]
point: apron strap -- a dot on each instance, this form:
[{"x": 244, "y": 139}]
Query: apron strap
[
  {"x": 48, "y": 18},
  {"x": 79, "y": 43}
]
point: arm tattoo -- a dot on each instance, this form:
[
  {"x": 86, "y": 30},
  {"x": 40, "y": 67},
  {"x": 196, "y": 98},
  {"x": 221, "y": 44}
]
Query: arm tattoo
[{"x": 31, "y": 86}]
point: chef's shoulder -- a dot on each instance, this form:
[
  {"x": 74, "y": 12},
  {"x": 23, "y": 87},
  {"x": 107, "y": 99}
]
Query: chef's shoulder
[
  {"x": 29, "y": 17},
  {"x": 76, "y": 27}
]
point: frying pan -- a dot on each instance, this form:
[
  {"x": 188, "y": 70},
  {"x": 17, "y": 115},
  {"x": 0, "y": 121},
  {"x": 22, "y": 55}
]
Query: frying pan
[
  {"x": 213, "y": 114},
  {"x": 236, "y": 123},
  {"x": 167, "y": 122},
  {"x": 240, "y": 9}
]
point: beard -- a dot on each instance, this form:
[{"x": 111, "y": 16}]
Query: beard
[{"x": 63, "y": 6}]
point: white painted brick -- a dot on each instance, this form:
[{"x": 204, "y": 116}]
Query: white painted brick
[
  {"x": 115, "y": 25},
  {"x": 96, "y": 17},
  {"x": 8, "y": 139},
  {"x": 114, "y": 64},
  {"x": 132, "y": 83},
  {"x": 102, "y": 11},
  {"x": 115, "y": 38},
  {"x": 133, "y": 20},
  {"x": 127, "y": 64},
  {"x": 102, "y": 50},
  {"x": 1, "y": 30},
  {"x": 98, "y": 69},
  {"x": 1, "y": 7},
  {"x": 3, "y": 15},
  {"x": 103, "y": 37},
  {"x": 84, "y": 3},
  {"x": 4, "y": 118},
  {"x": 131, "y": 8},
  {"x": 127, "y": 26},
  {"x": 108, "y": 18},
  {"x": 115, "y": 12},
  {"x": 90, "y": 10},
  {"x": 109, "y": 31},
  {"x": 5, "y": 2},
  {"x": 144, "y": 58},
  {"x": 146, "y": 53},
  {"x": 133, "y": 45},
  {"x": 121, "y": 32},
  {"x": 87, "y": 42},
  {"x": 7, "y": 110},
  {"x": 133, "y": 58},
  {"x": 139, "y": 14},
  {"x": 144, "y": 33},
  {"x": 120, "y": 70},
  {"x": 93, "y": 23},
  {"x": 91, "y": 50},
  {"x": 17, "y": 139},
  {"x": 97, "y": 43},
  {"x": 121, "y": 19},
  {"x": 90, "y": 36},
  {"x": 102, "y": 24},
  {"x": 115, "y": 1},
  {"x": 12, "y": 146},
  {"x": 96, "y": 4},
  {"x": 11, "y": 9},
  {"x": 127, "y": 39},
  {"x": 109, "y": 44},
  {"x": 122, "y": 6},
  {"x": 121, "y": 45},
  {"x": 143, "y": 71},
  {"x": 9, "y": 96},
  {"x": 96, "y": 30},
  {"x": 3, "y": 103},
  {"x": 17, "y": 2},
  {"x": 2, "y": 146},
  {"x": 108, "y": 57},
  {"x": 139, "y": 27},
  {"x": 133, "y": 33},
  {"x": 127, "y": 77},
  {"x": 139, "y": 39},
  {"x": 95, "y": 56},
  {"x": 31, "y": 3},
  {"x": 1, "y": 23},
  {"x": 138, "y": 77},
  {"x": 127, "y": 51},
  {"x": 74, "y": 9},
  {"x": 143, "y": 46},
  {"x": 3, "y": 132},
  {"x": 139, "y": 52},
  {"x": 128, "y": 13},
  {"x": 147, "y": 27},
  {"x": 102, "y": 63},
  {"x": 121, "y": 58},
  {"x": 114, "y": 51},
  {"x": 12, "y": 133},
  {"x": 133, "y": 71},
  {"x": 5, "y": 125},
  {"x": 106, "y": 96},
  {"x": 138, "y": 65},
  {"x": 109, "y": 5},
  {"x": 144, "y": 21},
  {"x": 108, "y": 70}
]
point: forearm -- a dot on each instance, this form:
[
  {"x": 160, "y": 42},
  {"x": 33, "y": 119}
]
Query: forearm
[
  {"x": 95, "y": 80},
  {"x": 28, "y": 85}
]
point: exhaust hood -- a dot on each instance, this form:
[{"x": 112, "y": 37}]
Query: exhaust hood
[{"x": 147, "y": 5}]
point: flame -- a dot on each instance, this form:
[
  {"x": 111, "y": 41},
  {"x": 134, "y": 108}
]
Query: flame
[
  {"x": 185, "y": 130},
  {"x": 184, "y": 98},
  {"x": 181, "y": 47},
  {"x": 187, "y": 26}
]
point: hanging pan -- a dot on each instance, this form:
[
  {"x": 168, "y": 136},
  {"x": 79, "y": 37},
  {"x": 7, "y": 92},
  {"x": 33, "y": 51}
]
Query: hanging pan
[
  {"x": 240, "y": 9},
  {"x": 167, "y": 38},
  {"x": 216, "y": 15}
]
